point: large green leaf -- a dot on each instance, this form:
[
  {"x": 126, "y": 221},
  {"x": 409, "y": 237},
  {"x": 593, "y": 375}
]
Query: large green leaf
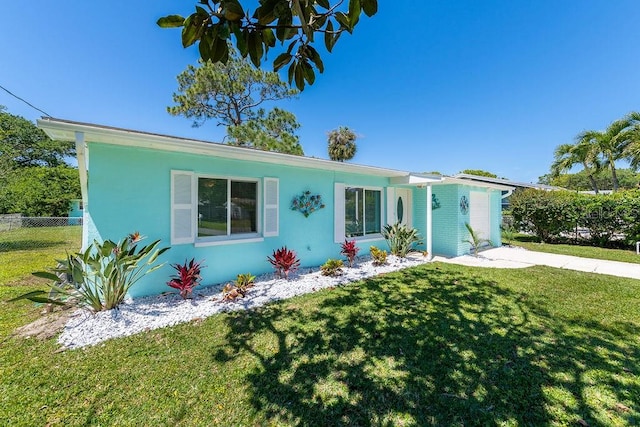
[
  {"x": 190, "y": 31},
  {"x": 370, "y": 7},
  {"x": 204, "y": 47},
  {"x": 299, "y": 76},
  {"x": 344, "y": 21},
  {"x": 170, "y": 21},
  {"x": 46, "y": 275},
  {"x": 268, "y": 38},
  {"x": 255, "y": 48},
  {"x": 242, "y": 41},
  {"x": 329, "y": 39},
  {"x": 232, "y": 10},
  {"x": 291, "y": 71},
  {"x": 282, "y": 60},
  {"x": 314, "y": 56},
  {"x": 37, "y": 296},
  {"x": 324, "y": 4},
  {"x": 354, "y": 12},
  {"x": 265, "y": 14},
  {"x": 309, "y": 74}
]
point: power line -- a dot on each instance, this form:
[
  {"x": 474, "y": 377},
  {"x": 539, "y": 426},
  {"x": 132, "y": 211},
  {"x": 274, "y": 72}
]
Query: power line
[{"x": 24, "y": 100}]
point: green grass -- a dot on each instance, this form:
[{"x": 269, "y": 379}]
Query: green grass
[
  {"x": 528, "y": 242},
  {"x": 434, "y": 345},
  {"x": 25, "y": 250}
]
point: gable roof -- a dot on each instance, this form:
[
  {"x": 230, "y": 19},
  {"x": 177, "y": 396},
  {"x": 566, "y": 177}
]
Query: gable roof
[
  {"x": 72, "y": 131},
  {"x": 65, "y": 130},
  {"x": 507, "y": 182}
]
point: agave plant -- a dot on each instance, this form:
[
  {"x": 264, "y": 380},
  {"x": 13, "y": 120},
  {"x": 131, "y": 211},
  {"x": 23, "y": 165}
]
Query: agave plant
[
  {"x": 284, "y": 261},
  {"x": 186, "y": 278},
  {"x": 100, "y": 277},
  {"x": 400, "y": 238},
  {"x": 349, "y": 250},
  {"x": 475, "y": 240}
]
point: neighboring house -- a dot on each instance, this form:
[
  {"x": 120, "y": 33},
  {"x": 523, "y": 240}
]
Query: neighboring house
[
  {"x": 180, "y": 190},
  {"x": 506, "y": 182},
  {"x": 76, "y": 212}
]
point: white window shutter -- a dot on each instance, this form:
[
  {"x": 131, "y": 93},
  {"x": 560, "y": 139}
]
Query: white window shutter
[
  {"x": 338, "y": 221},
  {"x": 183, "y": 207},
  {"x": 391, "y": 205},
  {"x": 271, "y": 210}
]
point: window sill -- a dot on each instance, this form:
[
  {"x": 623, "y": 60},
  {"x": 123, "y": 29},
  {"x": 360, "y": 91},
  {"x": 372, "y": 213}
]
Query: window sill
[
  {"x": 228, "y": 241},
  {"x": 367, "y": 238}
]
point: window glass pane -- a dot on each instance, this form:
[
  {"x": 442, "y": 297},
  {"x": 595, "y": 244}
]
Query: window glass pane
[
  {"x": 353, "y": 212},
  {"x": 244, "y": 196},
  {"x": 212, "y": 212},
  {"x": 372, "y": 211}
]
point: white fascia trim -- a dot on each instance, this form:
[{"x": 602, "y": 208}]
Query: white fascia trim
[
  {"x": 415, "y": 179},
  {"x": 63, "y": 130},
  {"x": 469, "y": 183}
]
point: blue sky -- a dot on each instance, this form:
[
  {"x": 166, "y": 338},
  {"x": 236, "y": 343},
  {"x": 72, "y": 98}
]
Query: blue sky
[{"x": 427, "y": 85}]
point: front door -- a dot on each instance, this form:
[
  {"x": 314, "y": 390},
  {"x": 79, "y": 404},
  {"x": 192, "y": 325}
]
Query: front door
[{"x": 403, "y": 206}]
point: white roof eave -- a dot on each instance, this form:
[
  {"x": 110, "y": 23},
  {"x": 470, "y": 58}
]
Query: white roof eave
[{"x": 63, "y": 130}]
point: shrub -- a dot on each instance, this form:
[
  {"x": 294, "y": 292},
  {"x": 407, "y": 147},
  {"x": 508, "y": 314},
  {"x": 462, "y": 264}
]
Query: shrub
[
  {"x": 244, "y": 282},
  {"x": 400, "y": 238},
  {"x": 230, "y": 292},
  {"x": 186, "y": 278},
  {"x": 547, "y": 214},
  {"x": 284, "y": 261},
  {"x": 333, "y": 267},
  {"x": 475, "y": 240},
  {"x": 379, "y": 256},
  {"x": 349, "y": 250},
  {"x": 239, "y": 288},
  {"x": 551, "y": 215},
  {"x": 100, "y": 277}
]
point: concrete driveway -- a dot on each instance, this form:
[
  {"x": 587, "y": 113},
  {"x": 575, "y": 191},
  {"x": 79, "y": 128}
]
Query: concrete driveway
[{"x": 514, "y": 257}]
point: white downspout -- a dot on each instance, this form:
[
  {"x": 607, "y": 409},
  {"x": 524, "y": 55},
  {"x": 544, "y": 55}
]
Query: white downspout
[{"x": 429, "y": 224}]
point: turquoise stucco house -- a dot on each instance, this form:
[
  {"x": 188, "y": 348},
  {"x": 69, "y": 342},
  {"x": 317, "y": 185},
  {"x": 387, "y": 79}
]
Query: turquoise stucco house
[{"x": 232, "y": 206}]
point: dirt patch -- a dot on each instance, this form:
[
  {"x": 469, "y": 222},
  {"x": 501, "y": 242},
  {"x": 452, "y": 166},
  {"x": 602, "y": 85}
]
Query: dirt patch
[{"x": 45, "y": 327}]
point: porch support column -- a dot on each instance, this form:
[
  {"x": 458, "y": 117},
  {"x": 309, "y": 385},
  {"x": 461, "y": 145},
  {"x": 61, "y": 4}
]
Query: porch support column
[
  {"x": 81, "y": 154},
  {"x": 429, "y": 223}
]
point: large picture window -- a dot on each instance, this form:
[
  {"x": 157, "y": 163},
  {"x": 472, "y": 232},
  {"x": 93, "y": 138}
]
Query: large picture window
[
  {"x": 362, "y": 208},
  {"x": 226, "y": 207}
]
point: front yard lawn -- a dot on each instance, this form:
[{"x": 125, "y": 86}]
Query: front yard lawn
[
  {"x": 622, "y": 255},
  {"x": 438, "y": 344}
]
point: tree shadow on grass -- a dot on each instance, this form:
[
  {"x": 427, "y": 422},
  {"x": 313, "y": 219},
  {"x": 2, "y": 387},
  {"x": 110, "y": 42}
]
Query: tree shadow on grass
[
  {"x": 429, "y": 347},
  {"x": 28, "y": 245}
]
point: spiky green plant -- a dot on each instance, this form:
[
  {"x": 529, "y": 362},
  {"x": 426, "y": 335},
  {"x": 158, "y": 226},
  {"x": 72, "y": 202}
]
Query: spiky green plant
[
  {"x": 475, "y": 240},
  {"x": 100, "y": 277},
  {"x": 400, "y": 238}
]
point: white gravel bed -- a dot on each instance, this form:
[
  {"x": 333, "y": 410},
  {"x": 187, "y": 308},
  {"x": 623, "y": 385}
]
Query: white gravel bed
[{"x": 144, "y": 314}]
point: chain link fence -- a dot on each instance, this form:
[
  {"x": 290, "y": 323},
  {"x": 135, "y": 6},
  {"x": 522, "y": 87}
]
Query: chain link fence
[{"x": 32, "y": 233}]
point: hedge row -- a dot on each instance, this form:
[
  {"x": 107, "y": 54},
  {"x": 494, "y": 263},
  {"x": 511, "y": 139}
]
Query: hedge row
[{"x": 603, "y": 218}]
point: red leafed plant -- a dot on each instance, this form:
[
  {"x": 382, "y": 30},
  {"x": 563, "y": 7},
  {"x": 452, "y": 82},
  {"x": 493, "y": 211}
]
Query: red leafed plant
[
  {"x": 186, "y": 278},
  {"x": 350, "y": 250},
  {"x": 284, "y": 261}
]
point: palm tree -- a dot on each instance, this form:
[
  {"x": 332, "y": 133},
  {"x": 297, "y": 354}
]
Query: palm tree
[
  {"x": 584, "y": 153},
  {"x": 613, "y": 143},
  {"x": 342, "y": 144},
  {"x": 632, "y": 149}
]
